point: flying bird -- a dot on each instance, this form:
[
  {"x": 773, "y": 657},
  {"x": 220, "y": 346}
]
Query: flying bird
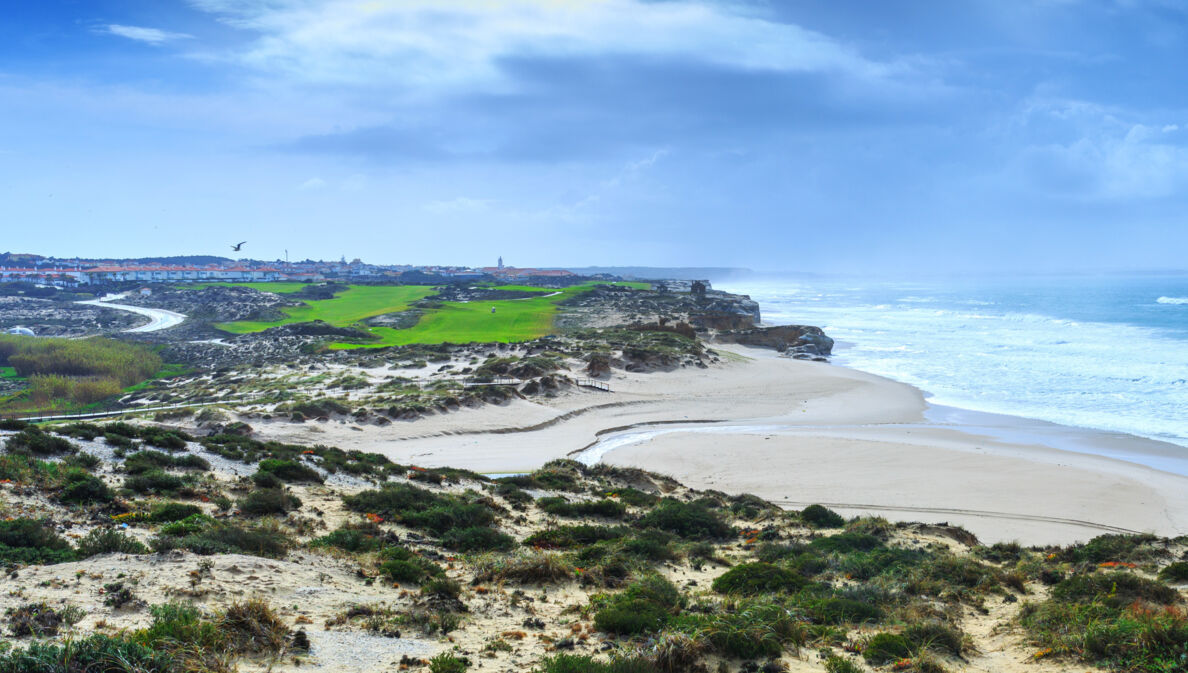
[{"x": 238, "y": 245}]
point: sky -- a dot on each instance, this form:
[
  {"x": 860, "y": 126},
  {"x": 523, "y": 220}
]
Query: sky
[{"x": 831, "y": 135}]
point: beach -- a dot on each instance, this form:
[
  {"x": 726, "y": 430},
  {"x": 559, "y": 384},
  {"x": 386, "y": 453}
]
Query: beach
[{"x": 797, "y": 433}]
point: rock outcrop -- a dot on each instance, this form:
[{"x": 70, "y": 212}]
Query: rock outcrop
[{"x": 803, "y": 342}]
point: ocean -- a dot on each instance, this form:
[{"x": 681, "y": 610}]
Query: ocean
[{"x": 1100, "y": 352}]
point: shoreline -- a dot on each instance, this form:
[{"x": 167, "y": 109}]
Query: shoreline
[{"x": 818, "y": 432}]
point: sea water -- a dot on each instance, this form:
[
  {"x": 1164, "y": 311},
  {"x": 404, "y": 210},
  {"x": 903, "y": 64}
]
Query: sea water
[{"x": 1101, "y": 352}]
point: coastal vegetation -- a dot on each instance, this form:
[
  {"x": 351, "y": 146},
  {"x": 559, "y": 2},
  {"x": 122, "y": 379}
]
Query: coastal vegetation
[
  {"x": 72, "y": 373},
  {"x": 606, "y": 569}
]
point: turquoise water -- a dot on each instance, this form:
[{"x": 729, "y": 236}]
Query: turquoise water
[{"x": 1108, "y": 353}]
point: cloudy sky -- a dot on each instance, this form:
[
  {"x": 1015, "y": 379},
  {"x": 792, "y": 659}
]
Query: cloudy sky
[{"x": 826, "y": 135}]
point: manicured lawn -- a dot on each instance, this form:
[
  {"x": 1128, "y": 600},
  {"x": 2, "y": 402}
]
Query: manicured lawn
[
  {"x": 457, "y": 322},
  {"x": 352, "y": 305},
  {"x": 8, "y": 373}
]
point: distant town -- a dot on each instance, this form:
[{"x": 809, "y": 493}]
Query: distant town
[{"x": 75, "y": 272}]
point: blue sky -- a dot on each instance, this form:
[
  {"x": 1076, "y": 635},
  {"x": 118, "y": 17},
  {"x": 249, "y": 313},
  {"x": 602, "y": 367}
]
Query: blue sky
[{"x": 1031, "y": 135}]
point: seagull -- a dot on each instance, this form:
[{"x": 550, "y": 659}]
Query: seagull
[{"x": 238, "y": 245}]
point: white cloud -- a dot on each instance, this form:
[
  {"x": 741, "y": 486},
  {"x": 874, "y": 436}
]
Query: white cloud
[
  {"x": 1128, "y": 163},
  {"x": 462, "y": 204},
  {"x": 153, "y": 36},
  {"x": 313, "y": 184},
  {"x": 430, "y": 44}
]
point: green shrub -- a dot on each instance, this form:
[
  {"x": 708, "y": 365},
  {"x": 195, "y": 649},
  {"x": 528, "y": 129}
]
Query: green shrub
[
  {"x": 449, "y": 517},
  {"x": 753, "y": 579},
  {"x": 170, "y": 440},
  {"x": 154, "y": 481},
  {"x": 83, "y": 461},
  {"x": 819, "y": 516},
  {"x": 524, "y": 567},
  {"x": 178, "y": 625},
  {"x": 935, "y": 636},
  {"x": 692, "y": 521},
  {"x": 229, "y": 538},
  {"x": 108, "y": 541},
  {"x": 477, "y": 538},
  {"x": 631, "y": 617},
  {"x": 83, "y": 489},
  {"x": 290, "y": 470},
  {"x": 1125, "y": 548},
  {"x": 568, "y": 537},
  {"x": 25, "y": 541},
  {"x": 1114, "y": 588},
  {"x": 447, "y": 663},
  {"x": 1175, "y": 572},
  {"x": 558, "y": 506},
  {"x": 195, "y": 523},
  {"x": 512, "y": 493},
  {"x": 896, "y": 561},
  {"x": 353, "y": 538},
  {"x": 442, "y": 587},
  {"x": 884, "y": 648},
  {"x": 650, "y": 544},
  {"x": 846, "y": 543},
  {"x": 836, "y": 664},
  {"x": 35, "y": 441},
  {"x": 97, "y": 653},
  {"x": 402, "y": 565},
  {"x": 754, "y": 628},
  {"x": 268, "y": 501},
  {"x": 839, "y": 610},
  {"x": 40, "y": 620},
  {"x": 167, "y": 512}
]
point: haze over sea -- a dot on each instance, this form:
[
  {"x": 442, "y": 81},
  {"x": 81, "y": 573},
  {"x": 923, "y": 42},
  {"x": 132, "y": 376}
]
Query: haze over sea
[{"x": 1101, "y": 352}]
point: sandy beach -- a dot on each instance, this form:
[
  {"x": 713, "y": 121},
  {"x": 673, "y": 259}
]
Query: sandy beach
[{"x": 801, "y": 432}]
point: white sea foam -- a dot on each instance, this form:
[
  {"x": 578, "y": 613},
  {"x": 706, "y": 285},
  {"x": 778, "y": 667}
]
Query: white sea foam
[
  {"x": 1109, "y": 376},
  {"x": 1172, "y": 300}
]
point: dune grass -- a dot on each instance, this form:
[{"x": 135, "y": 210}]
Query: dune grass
[{"x": 357, "y": 303}]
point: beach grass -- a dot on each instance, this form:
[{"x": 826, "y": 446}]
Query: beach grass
[{"x": 356, "y": 303}]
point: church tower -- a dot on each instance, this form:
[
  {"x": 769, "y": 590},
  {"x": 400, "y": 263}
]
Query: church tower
[{"x": 501, "y": 262}]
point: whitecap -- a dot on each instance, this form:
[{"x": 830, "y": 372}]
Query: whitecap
[{"x": 1177, "y": 301}]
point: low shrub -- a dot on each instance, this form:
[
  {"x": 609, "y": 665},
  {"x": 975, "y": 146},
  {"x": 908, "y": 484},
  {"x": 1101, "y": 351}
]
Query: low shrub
[
  {"x": 819, "y": 516},
  {"x": 836, "y": 664},
  {"x": 229, "y": 538},
  {"x": 40, "y": 620},
  {"x": 631, "y": 617},
  {"x": 35, "y": 441},
  {"x": 447, "y": 663},
  {"x": 694, "y": 521},
  {"x": 95, "y": 653},
  {"x": 884, "y": 648},
  {"x": 606, "y": 508},
  {"x": 936, "y": 636},
  {"x": 1175, "y": 572},
  {"x": 477, "y": 538},
  {"x": 154, "y": 482},
  {"x": 195, "y": 523},
  {"x": 401, "y": 565},
  {"x": 525, "y": 567},
  {"x": 355, "y": 538},
  {"x": 82, "y": 488},
  {"x": 252, "y": 626},
  {"x": 839, "y": 610},
  {"x": 753, "y": 628},
  {"x": 846, "y": 543},
  {"x": 753, "y": 579},
  {"x": 1125, "y": 548},
  {"x": 290, "y": 470},
  {"x": 268, "y": 501},
  {"x": 1114, "y": 588},
  {"x": 108, "y": 541},
  {"x": 26, "y": 541},
  {"x": 167, "y": 512},
  {"x": 568, "y": 537}
]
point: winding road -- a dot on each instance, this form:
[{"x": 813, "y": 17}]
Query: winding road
[{"x": 159, "y": 319}]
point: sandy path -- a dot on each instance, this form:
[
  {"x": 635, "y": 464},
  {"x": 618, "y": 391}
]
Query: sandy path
[
  {"x": 159, "y": 318},
  {"x": 803, "y": 432}
]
